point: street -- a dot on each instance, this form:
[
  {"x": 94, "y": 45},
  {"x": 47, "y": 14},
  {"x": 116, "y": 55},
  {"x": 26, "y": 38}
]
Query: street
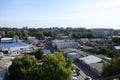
[{"x": 84, "y": 72}]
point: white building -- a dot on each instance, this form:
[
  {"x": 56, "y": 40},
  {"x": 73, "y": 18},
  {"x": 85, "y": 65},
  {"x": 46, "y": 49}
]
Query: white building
[
  {"x": 13, "y": 46},
  {"x": 33, "y": 40},
  {"x": 62, "y": 44},
  {"x": 73, "y": 55},
  {"x": 98, "y": 32},
  {"x": 10, "y": 40}
]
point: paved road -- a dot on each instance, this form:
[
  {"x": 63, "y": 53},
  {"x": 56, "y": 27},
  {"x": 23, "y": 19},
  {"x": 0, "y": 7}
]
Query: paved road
[{"x": 86, "y": 72}]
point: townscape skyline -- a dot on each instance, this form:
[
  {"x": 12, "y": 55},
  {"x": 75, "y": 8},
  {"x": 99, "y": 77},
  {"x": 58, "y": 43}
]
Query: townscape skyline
[{"x": 60, "y": 13}]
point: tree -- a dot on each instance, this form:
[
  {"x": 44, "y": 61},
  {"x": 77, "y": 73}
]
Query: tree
[
  {"x": 39, "y": 35},
  {"x": 21, "y": 68},
  {"x": 38, "y": 54},
  {"x": 111, "y": 67},
  {"x": 76, "y": 36},
  {"x": 56, "y": 67},
  {"x": 116, "y": 40}
]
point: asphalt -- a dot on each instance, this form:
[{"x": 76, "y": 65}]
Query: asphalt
[{"x": 86, "y": 72}]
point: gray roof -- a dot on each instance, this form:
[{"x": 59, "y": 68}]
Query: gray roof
[{"x": 91, "y": 59}]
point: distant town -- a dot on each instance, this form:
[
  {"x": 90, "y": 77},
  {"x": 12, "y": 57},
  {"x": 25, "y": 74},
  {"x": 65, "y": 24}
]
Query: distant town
[{"x": 59, "y": 54}]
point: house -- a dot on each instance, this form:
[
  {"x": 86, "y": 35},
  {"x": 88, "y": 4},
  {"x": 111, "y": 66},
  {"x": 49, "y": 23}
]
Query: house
[
  {"x": 73, "y": 55},
  {"x": 2, "y": 33},
  {"x": 117, "y": 48},
  {"x": 86, "y": 48},
  {"x": 32, "y": 40}
]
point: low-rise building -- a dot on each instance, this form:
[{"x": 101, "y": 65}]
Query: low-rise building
[
  {"x": 62, "y": 44},
  {"x": 12, "y": 46},
  {"x": 73, "y": 55},
  {"x": 93, "y": 63},
  {"x": 33, "y": 40},
  {"x": 117, "y": 48},
  {"x": 5, "y": 62},
  {"x": 99, "y": 32}
]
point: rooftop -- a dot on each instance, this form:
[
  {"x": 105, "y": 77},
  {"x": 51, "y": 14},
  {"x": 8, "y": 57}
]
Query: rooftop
[
  {"x": 9, "y": 45},
  {"x": 91, "y": 59},
  {"x": 6, "y": 38},
  {"x": 117, "y": 47},
  {"x": 97, "y": 66}
]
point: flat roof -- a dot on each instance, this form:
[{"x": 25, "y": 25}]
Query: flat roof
[
  {"x": 9, "y": 45},
  {"x": 90, "y": 59},
  {"x": 73, "y": 53},
  {"x": 117, "y": 47},
  {"x": 6, "y": 38}
]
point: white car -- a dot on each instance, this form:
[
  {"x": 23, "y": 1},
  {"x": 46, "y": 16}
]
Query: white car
[
  {"x": 74, "y": 74},
  {"x": 88, "y": 78},
  {"x": 74, "y": 78},
  {"x": 1, "y": 54}
]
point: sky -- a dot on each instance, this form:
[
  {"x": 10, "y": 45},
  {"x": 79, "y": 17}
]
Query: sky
[{"x": 60, "y": 13}]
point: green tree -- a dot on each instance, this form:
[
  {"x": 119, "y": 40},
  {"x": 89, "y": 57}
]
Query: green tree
[
  {"x": 56, "y": 67},
  {"x": 38, "y": 54},
  {"x": 39, "y": 35},
  {"x": 116, "y": 40},
  {"x": 21, "y": 68},
  {"x": 111, "y": 67}
]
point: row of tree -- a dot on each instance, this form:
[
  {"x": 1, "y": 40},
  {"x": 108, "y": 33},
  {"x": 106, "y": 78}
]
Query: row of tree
[
  {"x": 53, "y": 67},
  {"x": 106, "y": 51},
  {"x": 111, "y": 68}
]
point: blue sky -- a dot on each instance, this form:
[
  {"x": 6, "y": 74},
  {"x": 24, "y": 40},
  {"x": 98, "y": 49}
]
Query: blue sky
[{"x": 60, "y": 13}]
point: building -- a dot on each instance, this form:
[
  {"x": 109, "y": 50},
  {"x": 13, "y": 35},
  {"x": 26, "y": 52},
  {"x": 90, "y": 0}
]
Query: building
[
  {"x": 15, "y": 39},
  {"x": 5, "y": 62},
  {"x": 93, "y": 63},
  {"x": 32, "y": 40},
  {"x": 2, "y": 33},
  {"x": 62, "y": 44},
  {"x": 13, "y": 46},
  {"x": 73, "y": 55},
  {"x": 99, "y": 32},
  {"x": 117, "y": 48}
]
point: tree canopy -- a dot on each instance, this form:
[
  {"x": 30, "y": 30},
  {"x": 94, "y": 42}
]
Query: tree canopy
[
  {"x": 22, "y": 68},
  {"x": 111, "y": 68},
  {"x": 38, "y": 54},
  {"x": 54, "y": 67}
]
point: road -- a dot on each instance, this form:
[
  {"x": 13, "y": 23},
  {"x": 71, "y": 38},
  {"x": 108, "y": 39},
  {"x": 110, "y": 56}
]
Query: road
[{"x": 86, "y": 72}]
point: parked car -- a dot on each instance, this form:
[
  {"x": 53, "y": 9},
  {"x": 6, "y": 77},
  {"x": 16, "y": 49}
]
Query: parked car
[
  {"x": 74, "y": 74},
  {"x": 88, "y": 78},
  {"x": 74, "y": 78},
  {"x": 1, "y": 55}
]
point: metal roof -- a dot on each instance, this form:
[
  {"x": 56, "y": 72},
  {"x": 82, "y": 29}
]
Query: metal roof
[
  {"x": 91, "y": 59},
  {"x": 6, "y": 38},
  {"x": 9, "y": 45}
]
